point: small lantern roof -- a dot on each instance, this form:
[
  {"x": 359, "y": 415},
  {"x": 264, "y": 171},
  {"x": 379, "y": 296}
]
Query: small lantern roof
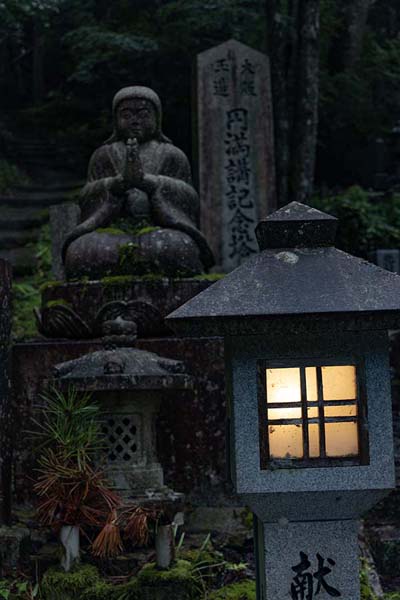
[
  {"x": 123, "y": 369},
  {"x": 298, "y": 276}
]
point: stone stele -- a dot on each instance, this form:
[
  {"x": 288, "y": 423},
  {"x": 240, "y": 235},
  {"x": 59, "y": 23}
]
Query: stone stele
[{"x": 235, "y": 148}]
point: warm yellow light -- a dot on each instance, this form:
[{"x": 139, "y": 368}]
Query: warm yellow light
[
  {"x": 283, "y": 385},
  {"x": 286, "y": 440}
]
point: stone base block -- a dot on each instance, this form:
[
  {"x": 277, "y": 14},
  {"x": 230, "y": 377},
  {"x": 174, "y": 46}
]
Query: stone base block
[
  {"x": 136, "y": 480},
  {"x": 14, "y": 548},
  {"x": 85, "y": 310},
  {"x": 315, "y": 559}
]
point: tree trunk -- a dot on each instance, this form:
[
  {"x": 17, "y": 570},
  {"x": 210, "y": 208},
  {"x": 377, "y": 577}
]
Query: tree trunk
[
  {"x": 293, "y": 45},
  {"x": 306, "y": 97},
  {"x": 348, "y": 47},
  {"x": 277, "y": 50},
  {"x": 37, "y": 62}
]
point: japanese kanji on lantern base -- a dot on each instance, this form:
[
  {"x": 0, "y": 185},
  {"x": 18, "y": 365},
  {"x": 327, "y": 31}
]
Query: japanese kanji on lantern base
[{"x": 309, "y": 403}]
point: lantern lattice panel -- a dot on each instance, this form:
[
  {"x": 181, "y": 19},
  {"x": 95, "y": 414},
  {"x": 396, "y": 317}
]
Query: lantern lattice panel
[{"x": 121, "y": 434}]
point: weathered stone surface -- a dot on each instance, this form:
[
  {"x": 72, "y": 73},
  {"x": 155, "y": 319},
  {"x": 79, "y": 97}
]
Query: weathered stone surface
[
  {"x": 14, "y": 547},
  {"x": 235, "y": 148},
  {"x": 314, "y": 286},
  {"x": 63, "y": 219},
  {"x": 5, "y": 404},
  {"x": 139, "y": 208},
  {"x": 105, "y": 308},
  {"x": 326, "y": 551}
]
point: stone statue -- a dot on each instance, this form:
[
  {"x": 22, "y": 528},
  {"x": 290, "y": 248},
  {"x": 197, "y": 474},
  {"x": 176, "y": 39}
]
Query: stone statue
[{"x": 139, "y": 209}]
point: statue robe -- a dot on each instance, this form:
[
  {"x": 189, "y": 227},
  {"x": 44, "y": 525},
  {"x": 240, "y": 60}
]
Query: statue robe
[{"x": 173, "y": 203}]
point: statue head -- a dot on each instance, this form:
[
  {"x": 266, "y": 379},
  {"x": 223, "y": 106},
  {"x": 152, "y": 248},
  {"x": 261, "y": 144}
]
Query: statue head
[{"x": 137, "y": 113}]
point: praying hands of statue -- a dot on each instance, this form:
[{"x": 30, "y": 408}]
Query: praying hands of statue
[{"x": 132, "y": 175}]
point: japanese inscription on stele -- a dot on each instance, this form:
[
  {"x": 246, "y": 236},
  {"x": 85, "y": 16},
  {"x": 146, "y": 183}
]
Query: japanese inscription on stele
[{"x": 236, "y": 178}]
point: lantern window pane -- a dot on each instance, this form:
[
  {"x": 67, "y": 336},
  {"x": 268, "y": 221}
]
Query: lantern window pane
[
  {"x": 341, "y": 439},
  {"x": 339, "y": 382},
  {"x": 312, "y": 386},
  {"x": 312, "y": 413},
  {"x": 313, "y": 437},
  {"x": 283, "y": 385},
  {"x": 284, "y": 413},
  {"x": 341, "y": 411},
  {"x": 285, "y": 441}
]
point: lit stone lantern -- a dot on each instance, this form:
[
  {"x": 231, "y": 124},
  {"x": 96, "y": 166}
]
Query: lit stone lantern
[
  {"x": 308, "y": 384},
  {"x": 129, "y": 385}
]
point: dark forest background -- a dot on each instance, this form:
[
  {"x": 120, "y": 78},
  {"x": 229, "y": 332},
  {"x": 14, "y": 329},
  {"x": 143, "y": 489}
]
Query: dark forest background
[{"x": 62, "y": 60}]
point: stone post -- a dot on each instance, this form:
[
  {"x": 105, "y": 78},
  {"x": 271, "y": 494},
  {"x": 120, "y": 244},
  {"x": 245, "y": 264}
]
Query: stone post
[
  {"x": 5, "y": 403},
  {"x": 235, "y": 148},
  {"x": 63, "y": 218}
]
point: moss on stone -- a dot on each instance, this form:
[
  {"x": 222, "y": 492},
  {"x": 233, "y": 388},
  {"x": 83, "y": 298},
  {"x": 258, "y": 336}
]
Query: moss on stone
[
  {"x": 102, "y": 590},
  {"x": 180, "y": 579},
  {"x": 243, "y": 590},
  {"x": 125, "y": 591},
  {"x": 117, "y": 280},
  {"x": 57, "y": 302},
  {"x": 110, "y": 230},
  {"x": 50, "y": 284},
  {"x": 58, "y": 585},
  {"x": 246, "y": 516},
  {"x": 209, "y": 276},
  {"x": 148, "y": 229}
]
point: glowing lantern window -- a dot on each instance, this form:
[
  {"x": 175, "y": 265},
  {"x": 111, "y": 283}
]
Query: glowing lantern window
[{"x": 310, "y": 415}]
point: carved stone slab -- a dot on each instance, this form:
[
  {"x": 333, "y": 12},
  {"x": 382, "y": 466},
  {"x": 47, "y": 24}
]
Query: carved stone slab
[
  {"x": 235, "y": 148},
  {"x": 116, "y": 308}
]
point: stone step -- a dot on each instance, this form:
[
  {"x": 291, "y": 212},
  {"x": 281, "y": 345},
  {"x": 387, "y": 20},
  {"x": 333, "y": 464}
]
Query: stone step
[
  {"x": 15, "y": 239},
  {"x": 37, "y": 199},
  {"x": 61, "y": 186},
  {"x": 23, "y": 260},
  {"x": 22, "y": 218}
]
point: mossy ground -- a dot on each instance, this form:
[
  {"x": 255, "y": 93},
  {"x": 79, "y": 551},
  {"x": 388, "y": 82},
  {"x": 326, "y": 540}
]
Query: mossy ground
[
  {"x": 243, "y": 590},
  {"x": 84, "y": 582}
]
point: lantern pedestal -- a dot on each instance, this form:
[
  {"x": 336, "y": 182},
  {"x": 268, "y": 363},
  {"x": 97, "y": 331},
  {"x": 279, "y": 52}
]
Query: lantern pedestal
[{"x": 316, "y": 559}]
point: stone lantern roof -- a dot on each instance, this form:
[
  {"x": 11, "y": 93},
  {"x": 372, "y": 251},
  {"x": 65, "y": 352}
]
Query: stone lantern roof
[
  {"x": 297, "y": 279},
  {"x": 123, "y": 369}
]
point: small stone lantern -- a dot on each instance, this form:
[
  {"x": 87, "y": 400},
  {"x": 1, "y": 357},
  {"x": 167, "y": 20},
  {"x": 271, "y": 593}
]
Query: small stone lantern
[
  {"x": 129, "y": 385},
  {"x": 308, "y": 385}
]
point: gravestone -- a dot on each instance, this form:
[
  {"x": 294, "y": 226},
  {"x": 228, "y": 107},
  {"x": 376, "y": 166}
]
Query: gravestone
[
  {"x": 63, "y": 219},
  {"x": 235, "y": 148}
]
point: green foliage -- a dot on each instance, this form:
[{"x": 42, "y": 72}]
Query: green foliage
[
  {"x": 365, "y": 588},
  {"x": 98, "y": 50},
  {"x": 365, "y": 223},
  {"x": 18, "y": 589},
  {"x": 70, "y": 426},
  {"x": 10, "y": 175},
  {"x": 26, "y": 291},
  {"x": 243, "y": 590}
]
